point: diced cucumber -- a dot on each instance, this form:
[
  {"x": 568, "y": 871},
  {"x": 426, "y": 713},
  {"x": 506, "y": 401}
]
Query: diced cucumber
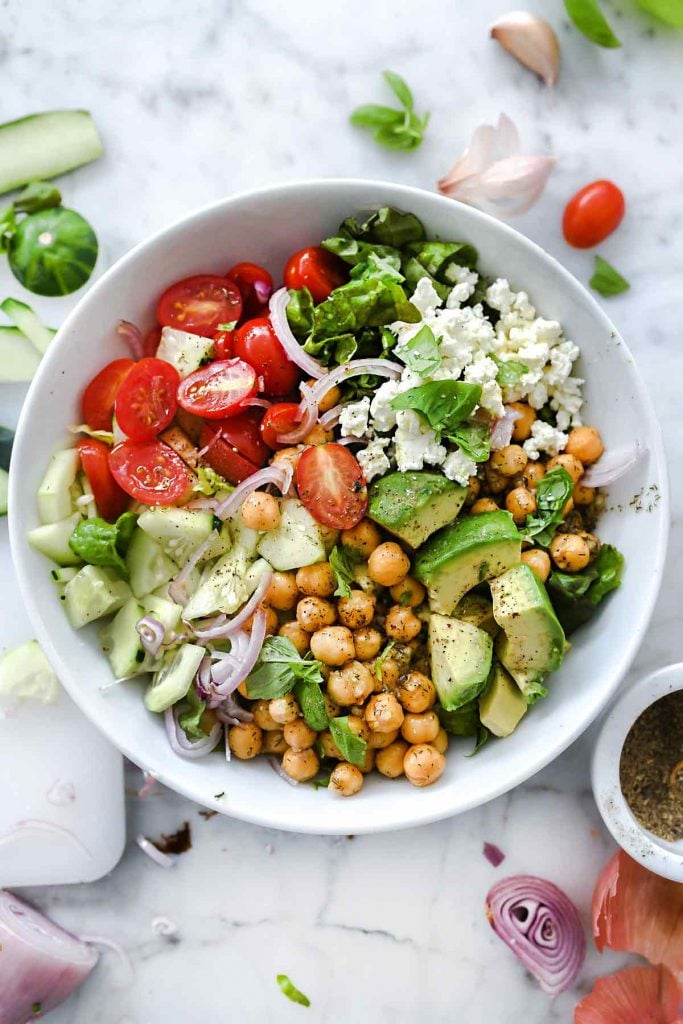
[
  {"x": 6, "y": 442},
  {"x": 148, "y": 566},
  {"x": 89, "y": 508},
  {"x": 26, "y": 672},
  {"x": 183, "y": 350},
  {"x": 174, "y": 678},
  {"x": 45, "y": 145},
  {"x": 18, "y": 358},
  {"x": 92, "y": 593},
  {"x": 164, "y": 611},
  {"x": 28, "y": 322},
  {"x": 224, "y": 588},
  {"x": 54, "y": 497},
  {"x": 297, "y": 541},
  {"x": 221, "y": 544},
  {"x": 242, "y": 536},
  {"x": 178, "y": 531},
  {"x": 121, "y": 641},
  {"x": 52, "y": 540},
  {"x": 4, "y": 487},
  {"x": 62, "y": 576}
]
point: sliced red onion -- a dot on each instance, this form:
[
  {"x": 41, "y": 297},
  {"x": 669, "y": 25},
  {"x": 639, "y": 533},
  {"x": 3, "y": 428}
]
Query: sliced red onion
[
  {"x": 357, "y": 367},
  {"x": 151, "y": 633},
  {"x": 613, "y": 465},
  {"x": 215, "y": 437},
  {"x": 233, "y": 625},
  {"x": 501, "y": 434},
  {"x": 204, "y": 503},
  {"x": 177, "y": 589},
  {"x": 541, "y": 926},
  {"x": 262, "y": 291},
  {"x": 330, "y": 419},
  {"x": 61, "y": 793},
  {"x": 41, "y": 964},
  {"x": 280, "y": 474},
  {"x": 132, "y": 336},
  {"x": 148, "y": 847},
  {"x": 202, "y": 680},
  {"x": 230, "y": 712},
  {"x": 493, "y": 854},
  {"x": 259, "y": 403},
  {"x": 279, "y": 301},
  {"x": 279, "y": 770},
  {"x": 179, "y": 742},
  {"x": 308, "y": 417},
  {"x": 247, "y": 662}
]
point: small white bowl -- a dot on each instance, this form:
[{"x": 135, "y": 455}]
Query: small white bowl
[{"x": 651, "y": 851}]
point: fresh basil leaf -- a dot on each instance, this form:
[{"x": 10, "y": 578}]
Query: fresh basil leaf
[
  {"x": 268, "y": 682},
  {"x": 101, "y": 543},
  {"x": 474, "y": 439},
  {"x": 351, "y": 747},
  {"x": 291, "y": 991},
  {"x": 464, "y": 721},
  {"x": 575, "y": 596},
  {"x": 668, "y": 11},
  {"x": 379, "y": 661},
  {"x": 189, "y": 719},
  {"x": 414, "y": 272},
  {"x": 443, "y": 403},
  {"x": 300, "y": 312},
  {"x": 590, "y": 20},
  {"x": 421, "y": 353},
  {"x": 372, "y": 116},
  {"x": 278, "y": 669},
  {"x": 482, "y": 736},
  {"x": 606, "y": 280},
  {"x": 440, "y": 259},
  {"x": 312, "y": 703},
  {"x": 407, "y": 136},
  {"x": 552, "y": 494},
  {"x": 510, "y": 371},
  {"x": 38, "y": 195},
  {"x": 341, "y": 566},
  {"x": 386, "y": 226},
  {"x": 322, "y": 780},
  {"x": 400, "y": 88},
  {"x": 396, "y": 129}
]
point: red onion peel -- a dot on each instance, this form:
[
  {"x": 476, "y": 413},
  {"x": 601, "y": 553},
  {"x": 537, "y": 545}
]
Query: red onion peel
[{"x": 636, "y": 995}]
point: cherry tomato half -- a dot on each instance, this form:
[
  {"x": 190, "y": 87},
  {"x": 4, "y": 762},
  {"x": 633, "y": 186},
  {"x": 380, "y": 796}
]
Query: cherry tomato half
[
  {"x": 224, "y": 457},
  {"x": 242, "y": 432},
  {"x": 318, "y": 270},
  {"x": 255, "y": 285},
  {"x": 111, "y": 501},
  {"x": 223, "y": 344},
  {"x": 147, "y": 399},
  {"x": 331, "y": 485},
  {"x": 218, "y": 389},
  {"x": 150, "y": 472},
  {"x": 279, "y": 419},
  {"x": 97, "y": 403},
  {"x": 257, "y": 343},
  {"x": 200, "y": 304},
  {"x": 593, "y": 214}
]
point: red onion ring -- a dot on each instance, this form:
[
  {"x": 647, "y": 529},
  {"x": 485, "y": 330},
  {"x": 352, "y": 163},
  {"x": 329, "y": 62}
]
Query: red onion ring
[
  {"x": 151, "y": 633},
  {"x": 181, "y": 745},
  {"x": 280, "y": 474},
  {"x": 260, "y": 403},
  {"x": 357, "y": 367},
  {"x": 330, "y": 419},
  {"x": 277, "y": 306},
  {"x": 204, "y": 503},
  {"x": 231, "y": 713},
  {"x": 215, "y": 437},
  {"x": 249, "y": 659},
  {"x": 501, "y": 432},
  {"x": 177, "y": 589},
  {"x": 541, "y": 926},
  {"x": 279, "y": 770},
  {"x": 226, "y": 629},
  {"x": 307, "y": 415},
  {"x": 162, "y": 859},
  {"x": 132, "y": 336},
  {"x": 613, "y": 465}
]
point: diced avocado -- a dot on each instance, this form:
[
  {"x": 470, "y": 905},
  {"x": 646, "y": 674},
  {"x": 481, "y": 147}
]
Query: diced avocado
[
  {"x": 502, "y": 706},
  {"x": 532, "y": 642},
  {"x": 121, "y": 642},
  {"x": 172, "y": 681},
  {"x": 53, "y": 540},
  {"x": 162, "y": 609},
  {"x": 54, "y": 498},
  {"x": 461, "y": 660},
  {"x": 26, "y": 672},
  {"x": 148, "y": 566},
  {"x": 183, "y": 350},
  {"x": 474, "y": 549},
  {"x": 92, "y": 593},
  {"x": 413, "y": 506},
  {"x": 297, "y": 541},
  {"x": 478, "y": 610},
  {"x": 178, "y": 531}
]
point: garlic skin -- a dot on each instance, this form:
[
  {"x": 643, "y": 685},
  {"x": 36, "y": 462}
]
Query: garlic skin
[{"x": 532, "y": 41}]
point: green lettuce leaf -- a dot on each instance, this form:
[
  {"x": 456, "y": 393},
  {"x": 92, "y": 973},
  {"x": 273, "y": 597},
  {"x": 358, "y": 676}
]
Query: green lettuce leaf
[
  {"x": 576, "y": 596},
  {"x": 440, "y": 258},
  {"x": 414, "y": 272},
  {"x": 444, "y": 404},
  {"x": 552, "y": 494},
  {"x": 351, "y": 747},
  {"x": 300, "y": 312},
  {"x": 421, "y": 353},
  {"x": 386, "y": 227},
  {"x": 101, "y": 543}
]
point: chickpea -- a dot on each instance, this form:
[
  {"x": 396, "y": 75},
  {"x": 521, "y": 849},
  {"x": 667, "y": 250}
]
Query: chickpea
[
  {"x": 272, "y": 622},
  {"x": 532, "y": 474},
  {"x": 333, "y": 645},
  {"x": 539, "y": 561},
  {"x": 423, "y": 764},
  {"x": 315, "y": 612},
  {"x": 284, "y": 709},
  {"x": 333, "y": 710},
  {"x": 329, "y": 399},
  {"x": 298, "y": 636},
  {"x": 390, "y": 760},
  {"x": 570, "y": 552},
  {"x": 402, "y": 623},
  {"x": 383, "y": 713},
  {"x": 409, "y": 593},
  {"x": 245, "y": 740},
  {"x": 521, "y": 430},
  {"x": 346, "y": 779},
  {"x": 301, "y": 765},
  {"x": 495, "y": 481},
  {"x": 318, "y": 435},
  {"x": 299, "y": 735},
  {"x": 290, "y": 455},
  {"x": 586, "y": 444},
  {"x": 441, "y": 741},
  {"x": 389, "y": 671},
  {"x": 329, "y": 747},
  {"x": 420, "y": 728},
  {"x": 368, "y": 761},
  {"x": 509, "y": 460},
  {"x": 484, "y": 505},
  {"x": 357, "y": 724},
  {"x": 521, "y": 503},
  {"x": 583, "y": 495},
  {"x": 388, "y": 564},
  {"x": 568, "y": 508},
  {"x": 260, "y": 511},
  {"x": 263, "y": 717},
  {"x": 274, "y": 742},
  {"x": 316, "y": 580},
  {"x": 380, "y": 740},
  {"x": 473, "y": 489},
  {"x": 362, "y": 538},
  {"x": 352, "y": 684},
  {"x": 416, "y": 692},
  {"x": 368, "y": 643},
  {"x": 568, "y": 462},
  {"x": 283, "y": 592},
  {"x": 593, "y": 542},
  {"x": 357, "y": 610}
]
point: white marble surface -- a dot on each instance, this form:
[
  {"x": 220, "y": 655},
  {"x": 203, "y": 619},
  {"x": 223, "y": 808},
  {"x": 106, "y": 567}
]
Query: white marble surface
[{"x": 194, "y": 102}]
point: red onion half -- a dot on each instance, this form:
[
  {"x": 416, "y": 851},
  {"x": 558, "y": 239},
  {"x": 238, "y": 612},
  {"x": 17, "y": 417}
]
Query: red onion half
[
  {"x": 41, "y": 964},
  {"x": 541, "y": 926},
  {"x": 279, "y": 301}
]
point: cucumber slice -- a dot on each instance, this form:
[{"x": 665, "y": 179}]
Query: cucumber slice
[
  {"x": 183, "y": 350},
  {"x": 29, "y": 323},
  {"x": 26, "y": 672},
  {"x": 164, "y": 611},
  {"x": 297, "y": 541},
  {"x": 121, "y": 642},
  {"x": 52, "y": 540},
  {"x": 62, "y": 576},
  {"x": 18, "y": 358},
  {"x": 4, "y": 487},
  {"x": 54, "y": 493},
  {"x": 178, "y": 531},
  {"x": 45, "y": 145},
  {"x": 148, "y": 566},
  {"x": 6, "y": 442},
  {"x": 171, "y": 683},
  {"x": 92, "y": 593}
]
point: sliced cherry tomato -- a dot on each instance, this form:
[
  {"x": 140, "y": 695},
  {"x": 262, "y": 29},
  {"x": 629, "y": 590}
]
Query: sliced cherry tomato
[
  {"x": 593, "y": 214},
  {"x": 331, "y": 485},
  {"x": 257, "y": 343},
  {"x": 218, "y": 390},
  {"x": 147, "y": 399},
  {"x": 151, "y": 341},
  {"x": 223, "y": 344},
  {"x": 97, "y": 403},
  {"x": 224, "y": 457},
  {"x": 316, "y": 269},
  {"x": 255, "y": 285},
  {"x": 242, "y": 432},
  {"x": 279, "y": 419},
  {"x": 200, "y": 304},
  {"x": 150, "y": 472},
  {"x": 111, "y": 501}
]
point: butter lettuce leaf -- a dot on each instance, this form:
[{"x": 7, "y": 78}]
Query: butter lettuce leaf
[
  {"x": 576, "y": 596},
  {"x": 386, "y": 227},
  {"x": 101, "y": 543}
]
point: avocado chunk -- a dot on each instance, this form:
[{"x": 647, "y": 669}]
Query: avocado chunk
[
  {"x": 413, "y": 506},
  {"x": 475, "y": 549},
  {"x": 502, "y": 706},
  {"x": 532, "y": 642},
  {"x": 461, "y": 660},
  {"x": 478, "y": 610}
]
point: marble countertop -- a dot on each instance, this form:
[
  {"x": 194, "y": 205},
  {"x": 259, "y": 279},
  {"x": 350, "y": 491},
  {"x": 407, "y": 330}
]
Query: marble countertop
[{"x": 196, "y": 101}]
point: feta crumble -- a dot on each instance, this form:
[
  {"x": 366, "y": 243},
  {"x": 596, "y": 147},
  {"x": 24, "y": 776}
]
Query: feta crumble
[
  {"x": 373, "y": 460},
  {"x": 353, "y": 419},
  {"x": 544, "y": 438},
  {"x": 459, "y": 468}
]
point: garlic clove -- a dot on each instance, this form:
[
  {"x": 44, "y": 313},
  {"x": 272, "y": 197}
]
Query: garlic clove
[{"x": 532, "y": 41}]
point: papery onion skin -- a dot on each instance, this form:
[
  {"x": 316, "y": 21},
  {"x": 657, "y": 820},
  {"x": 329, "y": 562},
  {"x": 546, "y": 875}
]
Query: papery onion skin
[{"x": 636, "y": 995}]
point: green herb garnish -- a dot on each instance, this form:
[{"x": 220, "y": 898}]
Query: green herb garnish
[
  {"x": 341, "y": 566},
  {"x": 351, "y": 747},
  {"x": 312, "y": 703},
  {"x": 190, "y": 718},
  {"x": 510, "y": 372},
  {"x": 606, "y": 280},
  {"x": 278, "y": 669},
  {"x": 575, "y": 596},
  {"x": 474, "y": 439},
  {"x": 421, "y": 354},
  {"x": 291, "y": 991},
  {"x": 590, "y": 20},
  {"x": 445, "y": 404},
  {"x": 552, "y": 494},
  {"x": 101, "y": 543},
  {"x": 395, "y": 129},
  {"x": 379, "y": 661}
]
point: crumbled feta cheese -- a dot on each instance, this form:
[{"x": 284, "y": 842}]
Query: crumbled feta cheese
[
  {"x": 354, "y": 418},
  {"x": 464, "y": 282},
  {"x": 544, "y": 438},
  {"x": 373, "y": 460},
  {"x": 383, "y": 416},
  {"x": 415, "y": 443},
  {"x": 483, "y": 370},
  {"x": 459, "y": 468},
  {"x": 425, "y": 297}
]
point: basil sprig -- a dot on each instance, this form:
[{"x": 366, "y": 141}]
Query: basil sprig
[
  {"x": 590, "y": 20},
  {"x": 101, "y": 543},
  {"x": 341, "y": 566},
  {"x": 279, "y": 668},
  {"x": 606, "y": 280},
  {"x": 351, "y": 747},
  {"x": 552, "y": 494},
  {"x": 395, "y": 129}
]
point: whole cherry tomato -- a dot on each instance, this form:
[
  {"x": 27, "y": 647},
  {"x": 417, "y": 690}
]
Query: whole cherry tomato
[
  {"x": 593, "y": 214},
  {"x": 316, "y": 269},
  {"x": 256, "y": 343}
]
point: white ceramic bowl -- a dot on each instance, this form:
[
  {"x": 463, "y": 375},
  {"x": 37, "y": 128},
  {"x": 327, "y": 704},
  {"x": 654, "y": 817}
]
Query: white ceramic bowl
[
  {"x": 653, "y": 852},
  {"x": 267, "y": 226}
]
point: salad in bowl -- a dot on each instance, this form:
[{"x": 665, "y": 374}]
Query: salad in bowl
[{"x": 342, "y": 522}]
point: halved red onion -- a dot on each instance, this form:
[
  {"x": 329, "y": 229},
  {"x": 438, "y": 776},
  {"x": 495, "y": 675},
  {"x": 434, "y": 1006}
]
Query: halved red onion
[
  {"x": 132, "y": 336},
  {"x": 279, "y": 770},
  {"x": 308, "y": 417},
  {"x": 249, "y": 659},
  {"x": 357, "y": 367},
  {"x": 181, "y": 745},
  {"x": 41, "y": 964},
  {"x": 330, "y": 419},
  {"x": 501, "y": 433},
  {"x": 612, "y": 465},
  {"x": 280, "y": 474},
  {"x": 541, "y": 926},
  {"x": 151, "y": 633},
  {"x": 148, "y": 847},
  {"x": 177, "y": 589},
  {"x": 226, "y": 629},
  {"x": 277, "y": 306}
]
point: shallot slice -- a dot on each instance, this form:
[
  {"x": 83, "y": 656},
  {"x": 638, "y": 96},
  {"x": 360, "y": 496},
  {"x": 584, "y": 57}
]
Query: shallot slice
[
  {"x": 357, "y": 367},
  {"x": 279, "y": 301},
  {"x": 258, "y": 635},
  {"x": 308, "y": 417},
  {"x": 132, "y": 336},
  {"x": 179, "y": 742},
  {"x": 613, "y": 464},
  {"x": 279, "y": 474}
]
